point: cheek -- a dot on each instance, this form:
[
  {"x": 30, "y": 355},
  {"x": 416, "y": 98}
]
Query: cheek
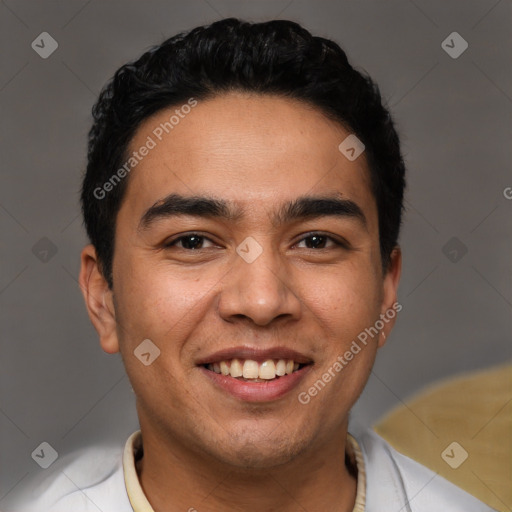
[
  {"x": 157, "y": 302},
  {"x": 153, "y": 304},
  {"x": 346, "y": 301}
]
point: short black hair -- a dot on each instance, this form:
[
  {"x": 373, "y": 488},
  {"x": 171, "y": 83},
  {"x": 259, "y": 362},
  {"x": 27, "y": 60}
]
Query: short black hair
[{"x": 277, "y": 57}]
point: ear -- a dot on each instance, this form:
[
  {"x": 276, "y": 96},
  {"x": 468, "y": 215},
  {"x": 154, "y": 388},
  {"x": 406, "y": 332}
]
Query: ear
[
  {"x": 98, "y": 300},
  {"x": 390, "y": 305}
]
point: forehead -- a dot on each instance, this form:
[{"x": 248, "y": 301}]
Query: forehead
[{"x": 252, "y": 150}]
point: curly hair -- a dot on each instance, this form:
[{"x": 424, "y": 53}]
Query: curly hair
[{"x": 277, "y": 57}]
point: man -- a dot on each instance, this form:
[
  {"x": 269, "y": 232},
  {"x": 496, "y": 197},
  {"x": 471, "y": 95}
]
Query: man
[{"x": 243, "y": 198}]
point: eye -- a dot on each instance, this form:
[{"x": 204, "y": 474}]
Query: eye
[
  {"x": 196, "y": 242},
  {"x": 319, "y": 241},
  {"x": 192, "y": 241}
]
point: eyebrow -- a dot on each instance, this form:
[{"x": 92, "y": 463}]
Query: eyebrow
[{"x": 302, "y": 208}]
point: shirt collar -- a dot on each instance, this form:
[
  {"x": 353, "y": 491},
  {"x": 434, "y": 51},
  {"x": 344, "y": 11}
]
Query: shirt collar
[{"x": 133, "y": 451}]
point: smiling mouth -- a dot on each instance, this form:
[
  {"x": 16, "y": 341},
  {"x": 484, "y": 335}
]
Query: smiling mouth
[{"x": 249, "y": 370}]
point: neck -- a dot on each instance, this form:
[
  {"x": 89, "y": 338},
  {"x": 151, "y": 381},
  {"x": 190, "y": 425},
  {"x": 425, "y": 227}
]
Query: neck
[{"x": 175, "y": 479}]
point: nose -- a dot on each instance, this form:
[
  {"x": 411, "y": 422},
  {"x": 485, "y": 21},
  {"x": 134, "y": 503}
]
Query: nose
[{"x": 261, "y": 291}]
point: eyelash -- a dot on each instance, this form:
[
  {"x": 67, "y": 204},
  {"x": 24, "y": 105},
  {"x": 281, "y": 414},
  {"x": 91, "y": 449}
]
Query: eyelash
[{"x": 338, "y": 243}]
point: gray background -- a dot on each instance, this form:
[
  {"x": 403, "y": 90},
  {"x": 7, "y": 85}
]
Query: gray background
[{"x": 454, "y": 116}]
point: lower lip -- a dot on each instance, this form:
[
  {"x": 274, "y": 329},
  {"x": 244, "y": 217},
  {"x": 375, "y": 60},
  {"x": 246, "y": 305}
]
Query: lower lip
[{"x": 257, "y": 391}]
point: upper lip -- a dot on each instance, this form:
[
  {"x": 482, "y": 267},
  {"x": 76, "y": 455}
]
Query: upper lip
[{"x": 255, "y": 354}]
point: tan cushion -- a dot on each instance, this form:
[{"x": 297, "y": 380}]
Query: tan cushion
[{"x": 472, "y": 410}]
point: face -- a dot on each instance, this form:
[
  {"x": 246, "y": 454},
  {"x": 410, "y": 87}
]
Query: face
[{"x": 280, "y": 261}]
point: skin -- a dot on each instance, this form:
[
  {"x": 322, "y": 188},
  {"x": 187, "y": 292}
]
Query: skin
[{"x": 202, "y": 447}]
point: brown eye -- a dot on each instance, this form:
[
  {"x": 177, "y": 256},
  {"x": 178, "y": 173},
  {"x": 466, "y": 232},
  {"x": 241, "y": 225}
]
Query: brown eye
[
  {"x": 319, "y": 241},
  {"x": 189, "y": 242},
  {"x": 316, "y": 242}
]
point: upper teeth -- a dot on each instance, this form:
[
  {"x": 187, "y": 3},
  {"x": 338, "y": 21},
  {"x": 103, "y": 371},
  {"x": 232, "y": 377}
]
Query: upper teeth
[{"x": 250, "y": 369}]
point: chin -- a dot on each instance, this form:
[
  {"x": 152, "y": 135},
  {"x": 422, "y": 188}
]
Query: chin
[{"x": 262, "y": 452}]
